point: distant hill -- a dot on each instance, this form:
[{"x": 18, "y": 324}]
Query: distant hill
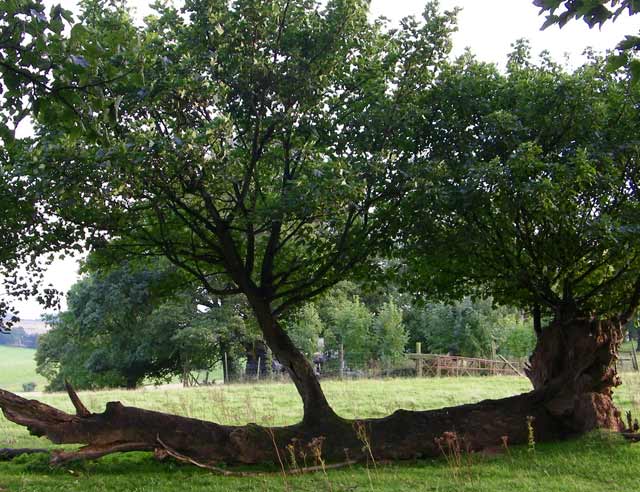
[
  {"x": 33, "y": 326},
  {"x": 24, "y": 334}
]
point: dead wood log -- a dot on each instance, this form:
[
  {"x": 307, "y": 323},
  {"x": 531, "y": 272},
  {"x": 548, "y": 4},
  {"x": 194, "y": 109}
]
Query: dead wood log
[
  {"x": 402, "y": 435},
  {"x": 573, "y": 371}
]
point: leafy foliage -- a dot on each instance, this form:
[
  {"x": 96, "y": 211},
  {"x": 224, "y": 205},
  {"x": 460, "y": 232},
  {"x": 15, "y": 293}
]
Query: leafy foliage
[
  {"x": 596, "y": 13},
  {"x": 275, "y": 99},
  {"x": 529, "y": 180},
  {"x": 471, "y": 328},
  {"x": 123, "y": 326}
]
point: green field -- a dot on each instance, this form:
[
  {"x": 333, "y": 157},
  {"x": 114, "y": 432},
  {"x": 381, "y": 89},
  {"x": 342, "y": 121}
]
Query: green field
[
  {"x": 592, "y": 463},
  {"x": 17, "y": 367}
]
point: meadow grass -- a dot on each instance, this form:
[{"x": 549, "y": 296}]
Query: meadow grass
[
  {"x": 17, "y": 367},
  {"x": 592, "y": 463}
]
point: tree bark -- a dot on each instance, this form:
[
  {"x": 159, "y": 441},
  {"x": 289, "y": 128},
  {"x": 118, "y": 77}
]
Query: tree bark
[
  {"x": 579, "y": 356},
  {"x": 402, "y": 435},
  {"x": 315, "y": 405}
]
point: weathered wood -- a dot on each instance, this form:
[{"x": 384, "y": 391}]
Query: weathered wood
[
  {"x": 81, "y": 410},
  {"x": 634, "y": 358},
  {"x": 572, "y": 395},
  {"x": 453, "y": 365},
  {"x": 511, "y": 366}
]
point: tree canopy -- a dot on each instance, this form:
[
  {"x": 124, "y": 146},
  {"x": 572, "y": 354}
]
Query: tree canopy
[
  {"x": 597, "y": 13},
  {"x": 529, "y": 187}
]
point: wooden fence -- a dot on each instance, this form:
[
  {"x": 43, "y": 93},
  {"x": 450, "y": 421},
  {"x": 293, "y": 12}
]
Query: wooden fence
[
  {"x": 434, "y": 365},
  {"x": 431, "y": 365},
  {"x": 628, "y": 361}
]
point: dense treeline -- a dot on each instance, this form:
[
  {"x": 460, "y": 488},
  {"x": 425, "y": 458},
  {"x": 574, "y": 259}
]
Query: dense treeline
[{"x": 137, "y": 322}]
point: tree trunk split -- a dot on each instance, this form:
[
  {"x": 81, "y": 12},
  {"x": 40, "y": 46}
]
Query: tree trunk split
[{"x": 573, "y": 371}]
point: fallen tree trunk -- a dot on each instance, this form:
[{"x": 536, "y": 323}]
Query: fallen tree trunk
[
  {"x": 572, "y": 370},
  {"x": 402, "y": 435}
]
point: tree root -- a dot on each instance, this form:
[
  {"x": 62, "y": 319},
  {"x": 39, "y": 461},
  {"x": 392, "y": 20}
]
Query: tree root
[{"x": 631, "y": 436}]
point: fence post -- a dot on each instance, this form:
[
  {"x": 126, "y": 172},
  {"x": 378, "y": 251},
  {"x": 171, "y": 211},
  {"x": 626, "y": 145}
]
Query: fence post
[
  {"x": 226, "y": 370},
  {"x": 341, "y": 360},
  {"x": 634, "y": 357},
  {"x": 418, "y": 360}
]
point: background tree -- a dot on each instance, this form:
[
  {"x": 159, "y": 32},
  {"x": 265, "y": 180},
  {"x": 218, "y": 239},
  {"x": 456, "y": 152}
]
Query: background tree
[
  {"x": 305, "y": 329},
  {"x": 471, "y": 328},
  {"x": 389, "y": 335},
  {"x": 132, "y": 323}
]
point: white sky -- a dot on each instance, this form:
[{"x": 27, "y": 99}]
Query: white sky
[{"x": 488, "y": 27}]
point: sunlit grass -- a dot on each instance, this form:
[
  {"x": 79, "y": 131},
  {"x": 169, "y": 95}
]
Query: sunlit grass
[
  {"x": 593, "y": 463},
  {"x": 17, "y": 367}
]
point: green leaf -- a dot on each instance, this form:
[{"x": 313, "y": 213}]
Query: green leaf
[
  {"x": 629, "y": 43},
  {"x": 11, "y": 79},
  {"x": 615, "y": 62},
  {"x": 634, "y": 69}
]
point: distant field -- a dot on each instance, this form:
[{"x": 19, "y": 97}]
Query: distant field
[{"x": 17, "y": 366}]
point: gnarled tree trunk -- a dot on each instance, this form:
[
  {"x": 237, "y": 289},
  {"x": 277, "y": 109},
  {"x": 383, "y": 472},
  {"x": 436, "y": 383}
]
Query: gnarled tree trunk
[
  {"x": 572, "y": 369},
  {"x": 579, "y": 357},
  {"x": 402, "y": 435}
]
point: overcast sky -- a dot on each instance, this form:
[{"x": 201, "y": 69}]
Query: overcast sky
[{"x": 488, "y": 27}]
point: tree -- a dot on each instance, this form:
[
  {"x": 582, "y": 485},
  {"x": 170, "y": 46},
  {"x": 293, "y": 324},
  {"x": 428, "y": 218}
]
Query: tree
[
  {"x": 471, "y": 328},
  {"x": 536, "y": 205},
  {"x": 305, "y": 328},
  {"x": 257, "y": 146},
  {"x": 131, "y": 323},
  {"x": 389, "y": 333},
  {"x": 596, "y": 13},
  {"x": 349, "y": 330},
  {"x": 18, "y": 337}
]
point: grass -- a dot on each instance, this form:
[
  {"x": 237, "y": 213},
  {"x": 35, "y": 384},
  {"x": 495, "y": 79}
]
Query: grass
[
  {"x": 625, "y": 348},
  {"x": 592, "y": 463},
  {"x": 18, "y": 366}
]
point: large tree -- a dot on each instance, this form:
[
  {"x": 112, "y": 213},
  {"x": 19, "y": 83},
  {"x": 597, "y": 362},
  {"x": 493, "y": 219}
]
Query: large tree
[
  {"x": 530, "y": 185},
  {"x": 259, "y": 147}
]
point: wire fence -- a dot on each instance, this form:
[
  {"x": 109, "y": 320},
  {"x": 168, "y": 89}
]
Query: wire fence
[{"x": 343, "y": 364}]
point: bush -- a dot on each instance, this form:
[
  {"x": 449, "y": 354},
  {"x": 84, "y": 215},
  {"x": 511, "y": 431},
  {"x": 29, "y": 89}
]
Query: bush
[{"x": 29, "y": 387}]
